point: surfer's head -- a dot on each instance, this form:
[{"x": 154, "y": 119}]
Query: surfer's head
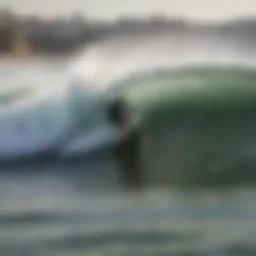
[{"x": 116, "y": 112}]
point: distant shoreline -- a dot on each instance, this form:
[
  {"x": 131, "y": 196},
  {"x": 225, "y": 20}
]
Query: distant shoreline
[{"x": 9, "y": 59}]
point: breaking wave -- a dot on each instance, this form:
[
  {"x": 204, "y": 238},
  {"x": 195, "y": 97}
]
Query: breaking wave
[{"x": 59, "y": 109}]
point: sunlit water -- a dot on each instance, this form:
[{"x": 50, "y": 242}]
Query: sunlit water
[{"x": 79, "y": 208}]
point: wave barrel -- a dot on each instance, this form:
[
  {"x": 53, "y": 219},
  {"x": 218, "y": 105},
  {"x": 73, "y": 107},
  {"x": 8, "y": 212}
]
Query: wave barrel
[{"x": 199, "y": 126}]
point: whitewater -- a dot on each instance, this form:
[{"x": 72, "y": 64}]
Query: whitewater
[{"x": 58, "y": 106}]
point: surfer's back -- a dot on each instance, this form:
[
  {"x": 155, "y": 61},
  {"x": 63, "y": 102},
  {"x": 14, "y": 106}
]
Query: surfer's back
[{"x": 128, "y": 150}]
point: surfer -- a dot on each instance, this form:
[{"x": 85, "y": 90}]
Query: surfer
[{"x": 128, "y": 150}]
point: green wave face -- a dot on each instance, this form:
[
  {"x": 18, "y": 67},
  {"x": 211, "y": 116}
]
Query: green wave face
[{"x": 200, "y": 124}]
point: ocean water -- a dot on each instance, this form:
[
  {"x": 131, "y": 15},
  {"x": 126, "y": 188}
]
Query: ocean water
[
  {"x": 50, "y": 214},
  {"x": 76, "y": 206}
]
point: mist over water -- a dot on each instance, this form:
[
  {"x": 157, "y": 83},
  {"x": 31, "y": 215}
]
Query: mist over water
[
  {"x": 122, "y": 56},
  {"x": 78, "y": 208}
]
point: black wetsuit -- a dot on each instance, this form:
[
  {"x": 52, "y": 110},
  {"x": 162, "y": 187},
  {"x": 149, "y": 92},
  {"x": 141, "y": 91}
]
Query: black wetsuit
[
  {"x": 128, "y": 151},
  {"x": 129, "y": 156}
]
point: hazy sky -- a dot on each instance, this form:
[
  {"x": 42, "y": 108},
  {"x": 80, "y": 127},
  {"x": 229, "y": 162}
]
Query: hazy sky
[{"x": 195, "y": 9}]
